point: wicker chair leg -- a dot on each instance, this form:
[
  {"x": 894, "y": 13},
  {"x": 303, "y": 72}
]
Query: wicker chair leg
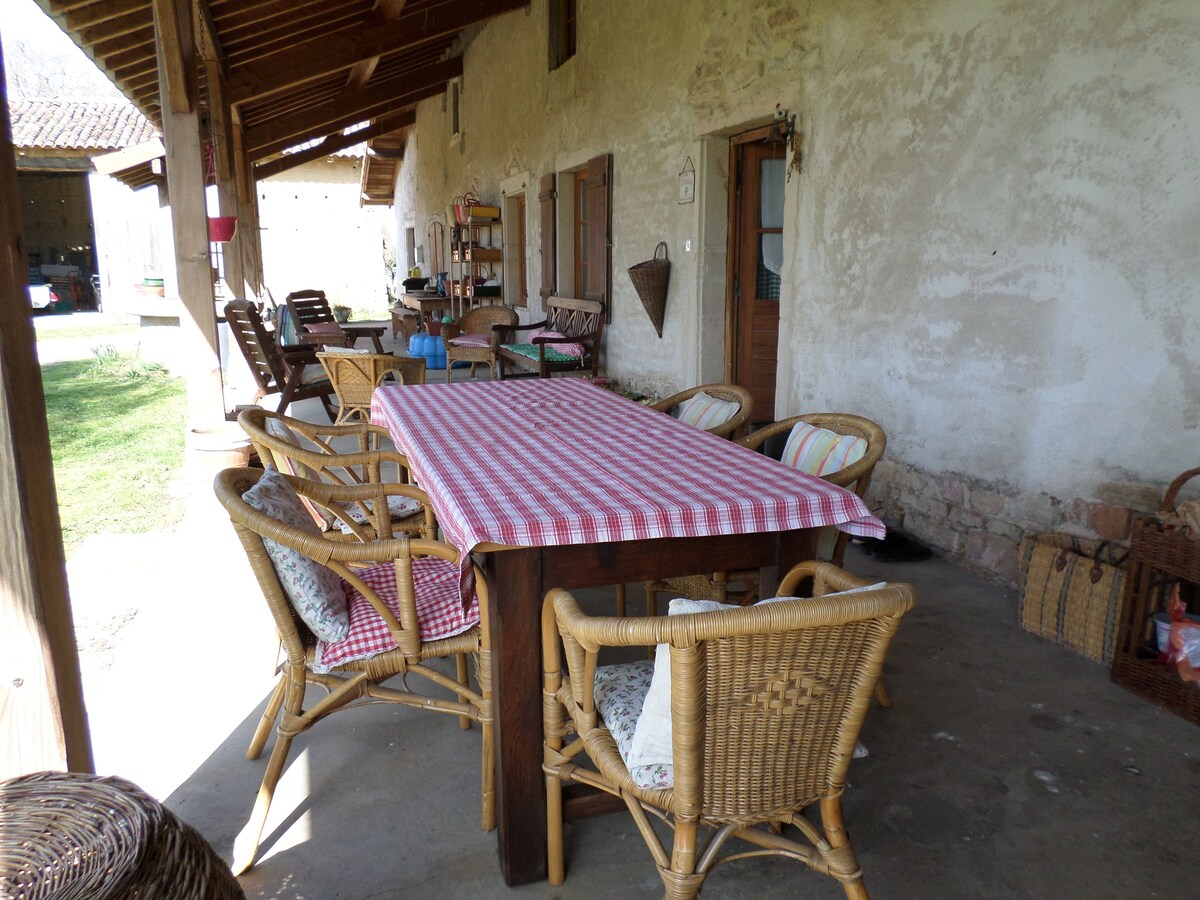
[
  {"x": 460, "y": 666},
  {"x": 488, "y": 779},
  {"x": 554, "y": 829},
  {"x": 681, "y": 881},
  {"x": 882, "y": 697},
  {"x": 263, "y": 731},
  {"x": 245, "y": 846},
  {"x": 843, "y": 864}
]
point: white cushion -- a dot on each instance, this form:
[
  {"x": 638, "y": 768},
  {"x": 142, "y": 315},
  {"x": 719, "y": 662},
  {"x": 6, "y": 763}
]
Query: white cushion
[
  {"x": 398, "y": 507},
  {"x": 345, "y": 351},
  {"x": 651, "y": 741},
  {"x": 704, "y": 411},
  {"x": 316, "y": 592},
  {"x": 284, "y": 432}
]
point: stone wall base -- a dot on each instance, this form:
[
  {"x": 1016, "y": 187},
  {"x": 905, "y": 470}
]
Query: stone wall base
[{"x": 980, "y": 525}]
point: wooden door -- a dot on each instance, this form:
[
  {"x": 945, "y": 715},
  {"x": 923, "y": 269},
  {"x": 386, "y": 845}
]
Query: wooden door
[{"x": 756, "y": 260}]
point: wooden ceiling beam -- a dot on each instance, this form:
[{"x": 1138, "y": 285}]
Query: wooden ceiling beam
[
  {"x": 261, "y": 43},
  {"x": 314, "y": 58},
  {"x": 136, "y": 41},
  {"x": 361, "y": 72},
  {"x": 176, "y": 54},
  {"x": 81, "y": 16},
  {"x": 341, "y": 112},
  {"x": 115, "y": 28},
  {"x": 238, "y": 19},
  {"x": 334, "y": 143}
]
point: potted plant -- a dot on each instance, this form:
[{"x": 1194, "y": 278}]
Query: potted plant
[{"x": 341, "y": 314}]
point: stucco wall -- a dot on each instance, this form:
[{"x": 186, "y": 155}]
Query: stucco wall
[
  {"x": 315, "y": 235},
  {"x": 991, "y": 249}
]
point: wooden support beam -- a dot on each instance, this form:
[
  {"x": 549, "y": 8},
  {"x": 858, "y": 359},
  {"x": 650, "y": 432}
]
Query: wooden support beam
[
  {"x": 312, "y": 59},
  {"x": 395, "y": 92},
  {"x": 172, "y": 55},
  {"x": 189, "y": 221},
  {"x": 334, "y": 143},
  {"x": 43, "y": 720}
]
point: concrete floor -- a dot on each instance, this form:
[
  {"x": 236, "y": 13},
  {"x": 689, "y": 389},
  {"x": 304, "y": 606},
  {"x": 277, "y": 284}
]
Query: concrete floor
[{"x": 1008, "y": 767}]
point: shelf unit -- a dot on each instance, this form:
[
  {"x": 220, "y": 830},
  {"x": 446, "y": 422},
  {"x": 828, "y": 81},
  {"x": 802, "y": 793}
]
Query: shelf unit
[{"x": 476, "y": 252}]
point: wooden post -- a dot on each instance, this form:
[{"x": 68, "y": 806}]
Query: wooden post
[
  {"x": 174, "y": 32},
  {"x": 43, "y": 721}
]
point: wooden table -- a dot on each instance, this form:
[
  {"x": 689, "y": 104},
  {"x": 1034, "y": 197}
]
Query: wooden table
[
  {"x": 563, "y": 484},
  {"x": 427, "y": 303}
]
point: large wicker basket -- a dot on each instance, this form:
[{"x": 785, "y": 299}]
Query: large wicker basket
[{"x": 1160, "y": 558}]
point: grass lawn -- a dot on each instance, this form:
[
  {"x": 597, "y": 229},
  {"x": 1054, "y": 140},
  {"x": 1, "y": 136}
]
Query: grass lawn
[{"x": 117, "y": 437}]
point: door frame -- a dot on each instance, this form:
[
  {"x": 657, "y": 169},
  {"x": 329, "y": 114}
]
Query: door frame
[{"x": 733, "y": 243}]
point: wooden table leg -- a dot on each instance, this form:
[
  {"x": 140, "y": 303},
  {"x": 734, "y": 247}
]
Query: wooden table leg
[{"x": 515, "y": 582}]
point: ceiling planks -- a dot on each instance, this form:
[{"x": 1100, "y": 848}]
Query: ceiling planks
[{"x": 297, "y": 69}]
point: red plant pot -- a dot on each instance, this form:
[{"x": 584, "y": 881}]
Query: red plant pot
[{"x": 221, "y": 228}]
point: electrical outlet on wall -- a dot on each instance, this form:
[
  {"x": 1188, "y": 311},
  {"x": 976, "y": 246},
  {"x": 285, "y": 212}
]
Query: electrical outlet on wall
[{"x": 687, "y": 246}]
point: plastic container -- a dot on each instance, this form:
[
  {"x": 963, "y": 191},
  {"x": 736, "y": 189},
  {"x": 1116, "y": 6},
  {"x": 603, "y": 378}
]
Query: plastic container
[
  {"x": 435, "y": 353},
  {"x": 1162, "y": 629}
]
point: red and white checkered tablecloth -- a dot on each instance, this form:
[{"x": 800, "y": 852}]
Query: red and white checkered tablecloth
[{"x": 544, "y": 462}]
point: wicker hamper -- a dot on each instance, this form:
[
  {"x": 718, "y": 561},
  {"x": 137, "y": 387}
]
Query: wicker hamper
[
  {"x": 1072, "y": 592},
  {"x": 1160, "y": 558}
]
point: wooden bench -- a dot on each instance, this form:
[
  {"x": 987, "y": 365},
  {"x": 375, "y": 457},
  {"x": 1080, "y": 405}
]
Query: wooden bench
[{"x": 581, "y": 321}]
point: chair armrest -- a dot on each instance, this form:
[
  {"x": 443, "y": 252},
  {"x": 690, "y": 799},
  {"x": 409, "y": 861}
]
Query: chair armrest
[{"x": 515, "y": 328}]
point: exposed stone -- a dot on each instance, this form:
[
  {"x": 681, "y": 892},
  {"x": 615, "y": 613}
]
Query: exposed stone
[
  {"x": 988, "y": 502},
  {"x": 952, "y": 490},
  {"x": 1109, "y": 522},
  {"x": 1140, "y": 497},
  {"x": 783, "y": 17}
]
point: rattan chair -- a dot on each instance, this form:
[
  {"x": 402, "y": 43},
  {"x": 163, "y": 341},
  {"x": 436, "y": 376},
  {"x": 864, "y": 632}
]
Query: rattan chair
[
  {"x": 493, "y": 322},
  {"x": 71, "y": 835},
  {"x": 354, "y": 683},
  {"x": 855, "y": 477},
  {"x": 730, "y": 393},
  {"x": 292, "y": 372},
  {"x": 355, "y": 376},
  {"x": 766, "y": 704},
  {"x": 337, "y": 454}
]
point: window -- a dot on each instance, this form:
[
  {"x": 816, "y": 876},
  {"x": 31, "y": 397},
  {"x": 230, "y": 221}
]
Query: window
[{"x": 563, "y": 15}]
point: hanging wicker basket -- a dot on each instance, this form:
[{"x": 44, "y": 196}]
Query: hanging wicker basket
[{"x": 650, "y": 281}]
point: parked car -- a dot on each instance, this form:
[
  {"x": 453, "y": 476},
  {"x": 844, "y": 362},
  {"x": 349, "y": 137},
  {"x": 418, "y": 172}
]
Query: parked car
[{"x": 42, "y": 297}]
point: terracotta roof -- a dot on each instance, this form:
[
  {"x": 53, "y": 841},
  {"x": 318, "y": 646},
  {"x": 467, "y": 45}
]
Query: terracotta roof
[{"x": 77, "y": 125}]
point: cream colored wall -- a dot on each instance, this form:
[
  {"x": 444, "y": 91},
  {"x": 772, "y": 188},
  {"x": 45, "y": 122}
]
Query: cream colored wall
[
  {"x": 315, "y": 235},
  {"x": 991, "y": 248}
]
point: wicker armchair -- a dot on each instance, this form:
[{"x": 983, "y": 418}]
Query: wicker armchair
[
  {"x": 730, "y": 393},
  {"x": 831, "y": 544},
  {"x": 292, "y": 372},
  {"x": 357, "y": 681},
  {"x": 67, "y": 834},
  {"x": 355, "y": 376},
  {"x": 766, "y": 704},
  {"x": 493, "y": 323},
  {"x": 310, "y": 451}
]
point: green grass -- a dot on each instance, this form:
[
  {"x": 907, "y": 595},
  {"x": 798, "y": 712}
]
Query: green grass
[
  {"x": 82, "y": 331},
  {"x": 117, "y": 438}
]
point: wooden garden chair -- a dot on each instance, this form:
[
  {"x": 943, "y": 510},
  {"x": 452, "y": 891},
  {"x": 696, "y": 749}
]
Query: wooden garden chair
[
  {"x": 404, "y": 588},
  {"x": 293, "y": 372},
  {"x": 350, "y": 454},
  {"x": 481, "y": 331},
  {"x": 764, "y": 706},
  {"x": 355, "y": 376},
  {"x": 315, "y": 322}
]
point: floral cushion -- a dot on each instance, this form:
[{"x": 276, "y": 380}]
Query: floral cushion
[
  {"x": 441, "y": 611},
  {"x": 472, "y": 340},
  {"x": 650, "y": 743},
  {"x": 705, "y": 411},
  {"x": 620, "y": 691},
  {"x": 284, "y": 432},
  {"x": 819, "y": 451},
  {"x": 567, "y": 349},
  {"x": 399, "y": 507},
  {"x": 317, "y": 593}
]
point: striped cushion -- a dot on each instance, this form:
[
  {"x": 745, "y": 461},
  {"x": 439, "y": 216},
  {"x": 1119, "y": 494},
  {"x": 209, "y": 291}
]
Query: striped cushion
[
  {"x": 818, "y": 451},
  {"x": 472, "y": 340},
  {"x": 704, "y": 411},
  {"x": 529, "y": 351}
]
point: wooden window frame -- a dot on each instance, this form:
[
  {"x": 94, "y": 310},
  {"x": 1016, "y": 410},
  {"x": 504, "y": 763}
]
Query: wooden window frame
[{"x": 564, "y": 33}]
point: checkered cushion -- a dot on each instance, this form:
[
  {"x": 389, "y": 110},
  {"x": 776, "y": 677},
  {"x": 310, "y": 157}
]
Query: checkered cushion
[
  {"x": 440, "y": 612},
  {"x": 573, "y": 348}
]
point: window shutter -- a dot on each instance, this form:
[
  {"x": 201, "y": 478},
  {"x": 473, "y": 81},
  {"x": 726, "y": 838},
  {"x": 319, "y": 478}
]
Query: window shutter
[
  {"x": 546, "y": 197},
  {"x": 599, "y": 244}
]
